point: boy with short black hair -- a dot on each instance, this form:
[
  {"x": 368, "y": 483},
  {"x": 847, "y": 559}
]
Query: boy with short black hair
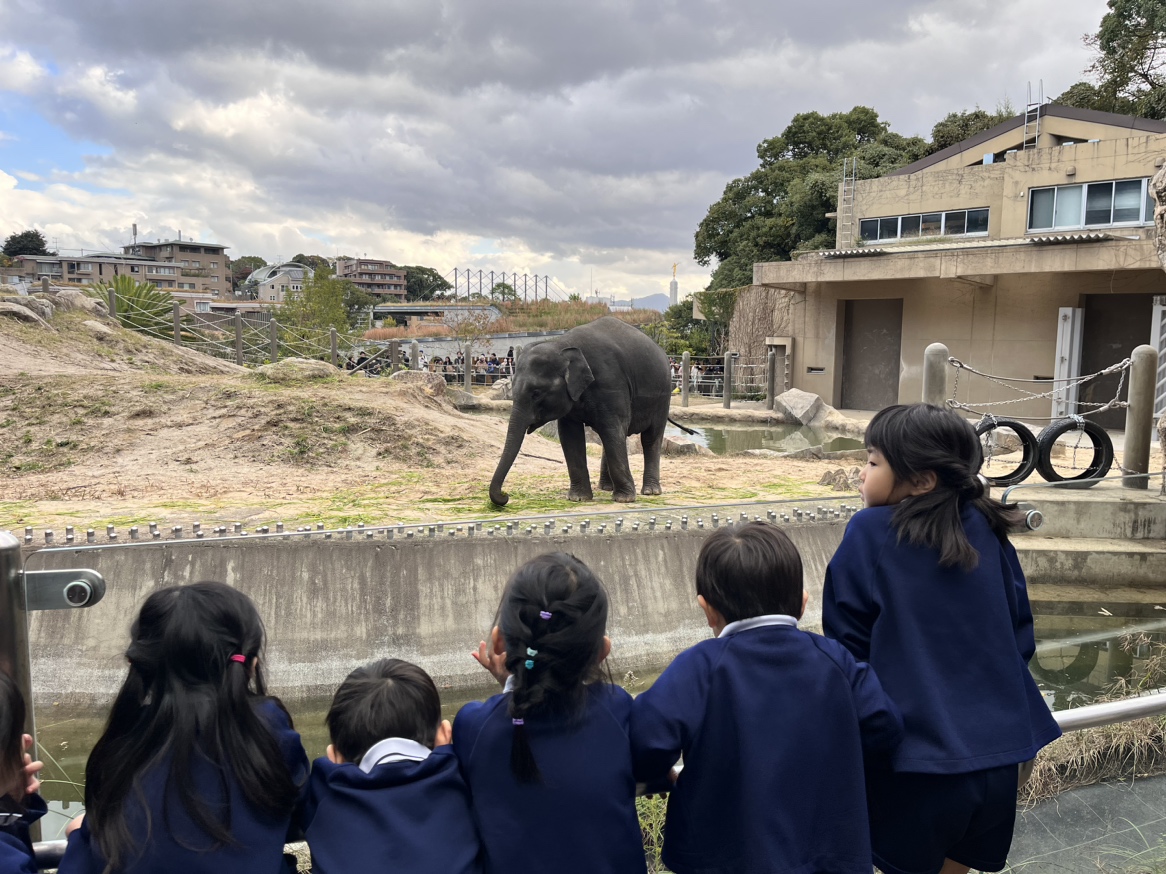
[
  {"x": 389, "y": 795},
  {"x": 773, "y": 724}
]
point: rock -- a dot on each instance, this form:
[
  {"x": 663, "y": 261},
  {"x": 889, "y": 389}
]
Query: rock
[
  {"x": 551, "y": 431},
  {"x": 796, "y": 442},
  {"x": 431, "y": 384},
  {"x": 23, "y": 314},
  {"x": 461, "y": 398},
  {"x": 98, "y": 330},
  {"x": 680, "y": 446},
  {"x": 500, "y": 391},
  {"x": 1162, "y": 438},
  {"x": 297, "y": 369},
  {"x": 72, "y": 299},
  {"x": 802, "y": 405},
  {"x": 1158, "y": 193},
  {"x": 42, "y": 308},
  {"x": 841, "y": 480}
]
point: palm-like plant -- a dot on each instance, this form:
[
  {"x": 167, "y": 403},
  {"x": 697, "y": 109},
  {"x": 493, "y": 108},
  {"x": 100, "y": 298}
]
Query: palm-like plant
[{"x": 141, "y": 306}]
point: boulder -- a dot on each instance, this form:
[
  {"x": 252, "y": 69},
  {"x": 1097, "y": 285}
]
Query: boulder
[
  {"x": 680, "y": 446},
  {"x": 72, "y": 299},
  {"x": 460, "y": 398},
  {"x": 22, "y": 314},
  {"x": 97, "y": 330},
  {"x": 802, "y": 405},
  {"x": 431, "y": 384},
  {"x": 42, "y": 308},
  {"x": 841, "y": 480},
  {"x": 297, "y": 369},
  {"x": 500, "y": 390}
]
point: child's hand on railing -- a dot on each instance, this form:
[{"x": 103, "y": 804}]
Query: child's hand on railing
[{"x": 31, "y": 769}]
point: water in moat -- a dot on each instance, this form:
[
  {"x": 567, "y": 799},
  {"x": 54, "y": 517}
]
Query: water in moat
[{"x": 778, "y": 438}]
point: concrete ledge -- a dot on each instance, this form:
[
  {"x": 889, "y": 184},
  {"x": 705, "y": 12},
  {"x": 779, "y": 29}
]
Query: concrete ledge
[{"x": 1093, "y": 561}]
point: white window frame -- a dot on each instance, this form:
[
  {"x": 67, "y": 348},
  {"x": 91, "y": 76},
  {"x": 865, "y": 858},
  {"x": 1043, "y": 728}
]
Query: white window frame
[
  {"x": 1144, "y": 220},
  {"x": 943, "y": 232}
]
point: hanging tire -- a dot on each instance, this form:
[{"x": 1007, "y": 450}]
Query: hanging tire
[
  {"x": 1028, "y": 449},
  {"x": 1102, "y": 452}
]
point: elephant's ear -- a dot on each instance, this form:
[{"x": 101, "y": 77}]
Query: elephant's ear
[{"x": 579, "y": 374}]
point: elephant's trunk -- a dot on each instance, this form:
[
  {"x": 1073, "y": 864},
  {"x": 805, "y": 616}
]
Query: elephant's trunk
[{"x": 519, "y": 421}]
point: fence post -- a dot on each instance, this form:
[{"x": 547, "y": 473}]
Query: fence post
[
  {"x": 273, "y": 327},
  {"x": 333, "y": 348},
  {"x": 935, "y": 374},
  {"x": 770, "y": 379},
  {"x": 238, "y": 338},
  {"x": 177, "y": 323},
  {"x": 112, "y": 303},
  {"x": 44, "y": 284},
  {"x": 727, "y": 383},
  {"x": 14, "y": 655},
  {"x": 468, "y": 364},
  {"x": 394, "y": 356},
  {"x": 1140, "y": 416},
  {"x": 685, "y": 367},
  {"x": 414, "y": 355}
]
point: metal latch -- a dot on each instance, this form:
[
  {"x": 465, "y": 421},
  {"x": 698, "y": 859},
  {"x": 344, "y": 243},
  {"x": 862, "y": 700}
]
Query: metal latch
[{"x": 67, "y": 589}]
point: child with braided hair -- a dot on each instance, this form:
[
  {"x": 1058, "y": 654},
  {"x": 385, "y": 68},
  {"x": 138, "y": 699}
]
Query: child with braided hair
[{"x": 548, "y": 760}]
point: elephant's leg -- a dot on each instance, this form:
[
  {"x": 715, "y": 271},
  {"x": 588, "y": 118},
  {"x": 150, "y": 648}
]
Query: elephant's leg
[
  {"x": 575, "y": 453},
  {"x": 604, "y": 475},
  {"x": 615, "y": 453},
  {"x": 652, "y": 440}
]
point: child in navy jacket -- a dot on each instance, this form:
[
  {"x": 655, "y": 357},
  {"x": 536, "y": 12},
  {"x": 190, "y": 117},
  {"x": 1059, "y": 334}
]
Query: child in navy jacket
[
  {"x": 198, "y": 770},
  {"x": 20, "y": 806},
  {"x": 772, "y": 721},
  {"x": 389, "y": 796},
  {"x": 548, "y": 761},
  {"x": 926, "y": 587}
]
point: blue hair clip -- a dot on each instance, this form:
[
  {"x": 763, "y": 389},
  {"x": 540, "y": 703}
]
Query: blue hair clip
[
  {"x": 530, "y": 664},
  {"x": 531, "y": 652}
]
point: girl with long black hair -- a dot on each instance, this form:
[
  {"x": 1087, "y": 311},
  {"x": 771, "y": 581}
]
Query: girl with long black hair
[
  {"x": 20, "y": 806},
  {"x": 548, "y": 761},
  {"x": 198, "y": 768},
  {"x": 926, "y": 588}
]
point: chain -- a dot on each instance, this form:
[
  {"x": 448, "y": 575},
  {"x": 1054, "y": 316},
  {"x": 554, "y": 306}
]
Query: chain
[{"x": 1052, "y": 394}]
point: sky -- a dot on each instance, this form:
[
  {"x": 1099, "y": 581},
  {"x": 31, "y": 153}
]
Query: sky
[{"x": 580, "y": 140}]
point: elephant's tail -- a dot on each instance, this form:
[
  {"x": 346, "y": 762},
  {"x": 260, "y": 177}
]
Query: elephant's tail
[{"x": 681, "y": 427}]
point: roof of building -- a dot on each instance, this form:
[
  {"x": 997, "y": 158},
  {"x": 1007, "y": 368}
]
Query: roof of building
[
  {"x": 180, "y": 243},
  {"x": 293, "y": 269},
  {"x": 1052, "y": 110},
  {"x": 1041, "y": 240}
]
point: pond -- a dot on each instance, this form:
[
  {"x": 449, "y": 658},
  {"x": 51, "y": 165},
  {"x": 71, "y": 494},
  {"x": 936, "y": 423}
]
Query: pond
[{"x": 778, "y": 438}]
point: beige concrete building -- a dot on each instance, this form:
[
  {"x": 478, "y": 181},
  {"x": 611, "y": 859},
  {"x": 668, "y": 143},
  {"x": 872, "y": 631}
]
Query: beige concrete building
[
  {"x": 381, "y": 279},
  {"x": 198, "y": 267},
  {"x": 1029, "y": 250}
]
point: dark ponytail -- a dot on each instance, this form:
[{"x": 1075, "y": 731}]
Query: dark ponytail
[
  {"x": 12, "y": 713},
  {"x": 918, "y": 438},
  {"x": 186, "y": 699},
  {"x": 553, "y": 619}
]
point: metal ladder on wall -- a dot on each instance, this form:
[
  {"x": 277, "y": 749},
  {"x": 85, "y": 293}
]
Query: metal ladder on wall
[
  {"x": 846, "y": 203},
  {"x": 1032, "y": 117}
]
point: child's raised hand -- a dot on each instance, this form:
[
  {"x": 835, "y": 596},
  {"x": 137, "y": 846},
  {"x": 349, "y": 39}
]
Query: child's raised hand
[
  {"x": 74, "y": 824},
  {"x": 492, "y": 660},
  {"x": 31, "y": 768},
  {"x": 444, "y": 734}
]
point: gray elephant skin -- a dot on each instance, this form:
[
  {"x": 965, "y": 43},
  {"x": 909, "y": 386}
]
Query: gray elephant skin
[{"x": 605, "y": 374}]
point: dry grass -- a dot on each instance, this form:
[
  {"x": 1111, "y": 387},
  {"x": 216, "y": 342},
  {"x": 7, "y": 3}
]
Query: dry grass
[{"x": 1123, "y": 751}]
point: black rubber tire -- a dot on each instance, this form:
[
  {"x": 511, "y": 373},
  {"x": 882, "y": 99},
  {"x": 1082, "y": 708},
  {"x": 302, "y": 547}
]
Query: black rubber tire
[
  {"x": 1028, "y": 450},
  {"x": 1102, "y": 452},
  {"x": 1079, "y": 669}
]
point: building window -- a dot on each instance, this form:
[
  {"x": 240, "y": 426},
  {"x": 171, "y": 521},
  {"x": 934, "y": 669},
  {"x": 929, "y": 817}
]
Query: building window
[
  {"x": 80, "y": 267},
  {"x": 134, "y": 268},
  {"x": 163, "y": 271},
  {"x": 956, "y": 223},
  {"x": 202, "y": 306},
  {"x": 1091, "y": 205}
]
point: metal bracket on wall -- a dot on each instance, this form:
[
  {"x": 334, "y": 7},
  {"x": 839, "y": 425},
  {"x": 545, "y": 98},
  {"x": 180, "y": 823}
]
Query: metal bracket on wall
[{"x": 67, "y": 589}]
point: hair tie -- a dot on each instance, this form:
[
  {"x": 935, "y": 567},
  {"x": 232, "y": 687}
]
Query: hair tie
[
  {"x": 531, "y": 652},
  {"x": 518, "y": 722},
  {"x": 544, "y": 614},
  {"x": 238, "y": 657},
  {"x": 529, "y": 664}
]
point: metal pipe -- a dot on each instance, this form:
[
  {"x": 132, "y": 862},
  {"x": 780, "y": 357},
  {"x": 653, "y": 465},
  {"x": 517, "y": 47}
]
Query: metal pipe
[
  {"x": 1110, "y": 712},
  {"x": 1077, "y": 482},
  {"x": 935, "y": 374},
  {"x": 14, "y": 654},
  {"x": 727, "y": 382},
  {"x": 1140, "y": 416}
]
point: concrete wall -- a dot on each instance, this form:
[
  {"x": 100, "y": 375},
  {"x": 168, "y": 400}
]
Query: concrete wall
[
  {"x": 330, "y": 606},
  {"x": 1007, "y": 328}
]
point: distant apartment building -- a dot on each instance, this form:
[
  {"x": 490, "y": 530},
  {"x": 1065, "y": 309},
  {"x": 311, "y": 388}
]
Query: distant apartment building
[
  {"x": 271, "y": 284},
  {"x": 200, "y": 267},
  {"x": 382, "y": 279}
]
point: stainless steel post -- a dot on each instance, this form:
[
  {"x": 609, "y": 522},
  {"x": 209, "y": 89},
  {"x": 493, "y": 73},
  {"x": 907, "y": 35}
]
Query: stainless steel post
[
  {"x": 685, "y": 367},
  {"x": 727, "y": 382},
  {"x": 1140, "y": 417},
  {"x": 935, "y": 374}
]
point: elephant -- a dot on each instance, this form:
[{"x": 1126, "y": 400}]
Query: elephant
[{"x": 605, "y": 374}]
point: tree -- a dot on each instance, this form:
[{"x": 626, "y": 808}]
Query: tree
[
  {"x": 358, "y": 303},
  {"x": 244, "y": 266},
  {"x": 141, "y": 306},
  {"x": 504, "y": 292},
  {"x": 26, "y": 243},
  {"x": 469, "y": 326},
  {"x": 314, "y": 261},
  {"x": 424, "y": 283},
  {"x": 780, "y": 208},
  {"x": 1129, "y": 64},
  {"x": 956, "y": 127},
  {"x": 319, "y": 303}
]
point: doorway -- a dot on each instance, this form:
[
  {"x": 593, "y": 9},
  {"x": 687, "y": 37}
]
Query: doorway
[
  {"x": 1113, "y": 325},
  {"x": 872, "y": 339}
]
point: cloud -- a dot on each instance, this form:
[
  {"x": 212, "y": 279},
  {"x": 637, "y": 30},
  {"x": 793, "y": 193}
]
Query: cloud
[{"x": 557, "y": 137}]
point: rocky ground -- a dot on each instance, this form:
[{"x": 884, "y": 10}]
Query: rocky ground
[{"x": 99, "y": 426}]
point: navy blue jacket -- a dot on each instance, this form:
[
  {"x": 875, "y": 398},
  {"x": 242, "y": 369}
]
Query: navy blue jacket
[
  {"x": 401, "y": 816},
  {"x": 260, "y": 838},
  {"x": 582, "y": 818},
  {"x": 772, "y": 722},
  {"x": 16, "y": 856},
  {"x": 950, "y": 646}
]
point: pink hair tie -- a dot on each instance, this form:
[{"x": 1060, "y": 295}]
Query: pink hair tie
[{"x": 241, "y": 659}]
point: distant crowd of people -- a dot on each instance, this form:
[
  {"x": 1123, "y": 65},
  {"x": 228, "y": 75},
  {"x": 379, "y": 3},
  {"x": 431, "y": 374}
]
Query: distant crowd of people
[{"x": 486, "y": 368}]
